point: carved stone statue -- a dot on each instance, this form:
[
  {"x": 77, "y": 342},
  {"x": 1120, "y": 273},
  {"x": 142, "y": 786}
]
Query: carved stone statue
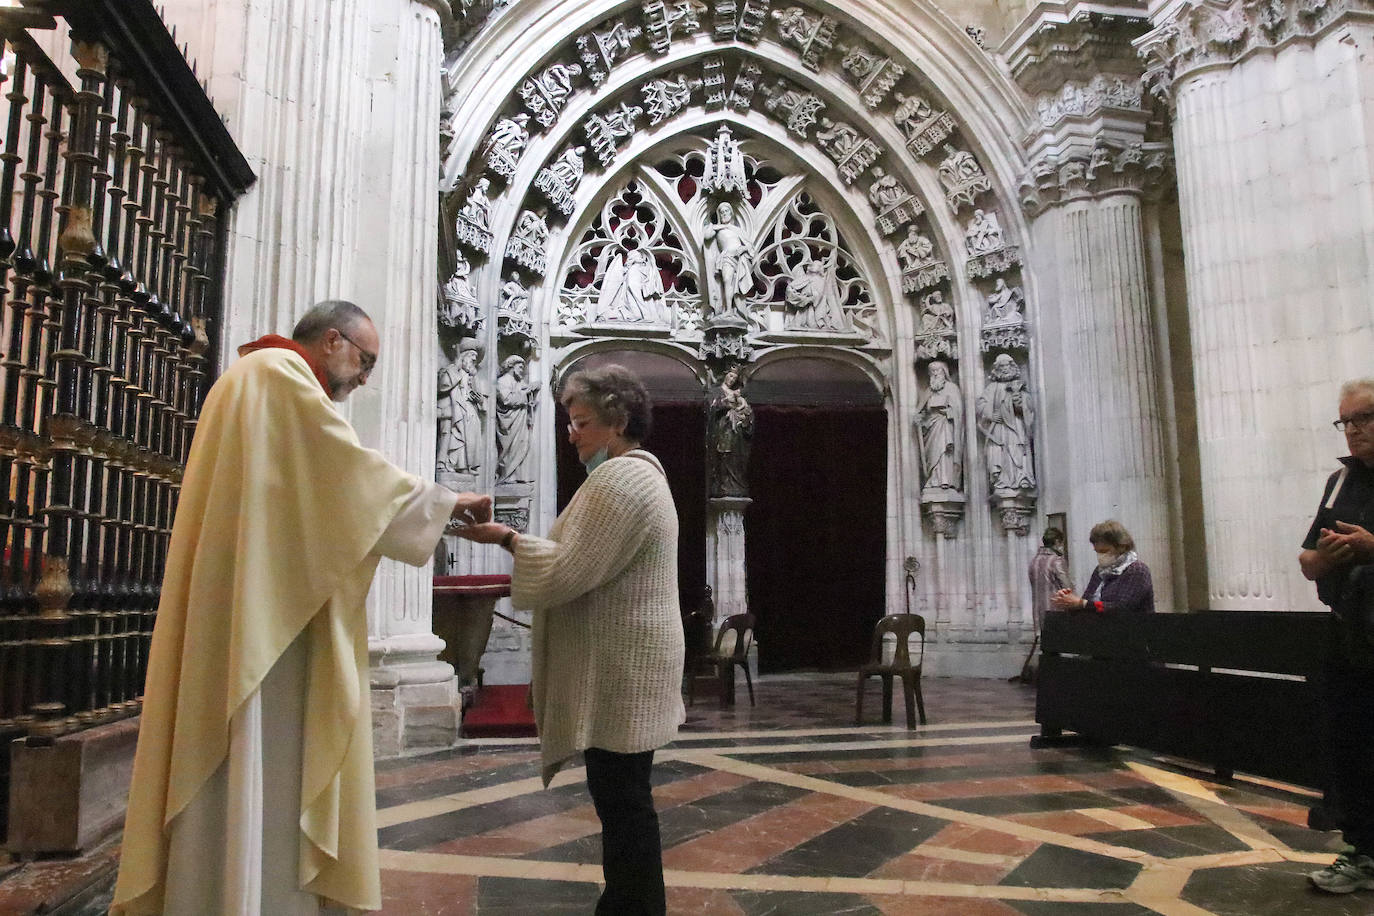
[
  {"x": 632, "y": 289},
  {"x": 732, "y": 433},
  {"x": 984, "y": 233},
  {"x": 568, "y": 168},
  {"x": 813, "y": 297},
  {"x": 528, "y": 244},
  {"x": 937, "y": 315},
  {"x": 729, "y": 268},
  {"x": 458, "y": 307},
  {"x": 514, "y": 422},
  {"x": 885, "y": 191},
  {"x": 940, "y": 429},
  {"x": 915, "y": 249},
  {"x": 958, "y": 168},
  {"x": 912, "y": 111},
  {"x": 1005, "y": 419},
  {"x": 665, "y": 98},
  {"x": 515, "y": 299},
  {"x": 507, "y": 141},
  {"x": 461, "y": 410},
  {"x": 837, "y": 138},
  {"x": 1004, "y": 303}
]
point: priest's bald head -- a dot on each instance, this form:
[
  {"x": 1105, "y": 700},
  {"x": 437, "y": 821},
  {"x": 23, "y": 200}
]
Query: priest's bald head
[{"x": 343, "y": 340}]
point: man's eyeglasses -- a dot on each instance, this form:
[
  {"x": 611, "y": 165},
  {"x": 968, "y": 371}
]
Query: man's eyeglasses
[
  {"x": 369, "y": 360},
  {"x": 1361, "y": 419}
]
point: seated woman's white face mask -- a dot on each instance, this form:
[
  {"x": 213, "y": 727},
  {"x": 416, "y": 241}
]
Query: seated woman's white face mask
[{"x": 1106, "y": 556}]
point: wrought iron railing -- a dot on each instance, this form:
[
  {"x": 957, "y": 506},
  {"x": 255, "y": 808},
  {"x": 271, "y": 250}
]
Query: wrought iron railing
[{"x": 115, "y": 176}]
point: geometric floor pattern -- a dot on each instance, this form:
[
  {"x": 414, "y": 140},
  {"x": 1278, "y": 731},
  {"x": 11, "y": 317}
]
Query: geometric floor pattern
[{"x": 787, "y": 808}]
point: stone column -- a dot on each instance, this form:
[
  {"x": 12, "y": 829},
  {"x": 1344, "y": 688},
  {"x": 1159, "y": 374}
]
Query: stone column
[
  {"x": 415, "y": 700},
  {"x": 1090, "y": 167},
  {"x": 725, "y": 559},
  {"x": 1270, "y": 107}
]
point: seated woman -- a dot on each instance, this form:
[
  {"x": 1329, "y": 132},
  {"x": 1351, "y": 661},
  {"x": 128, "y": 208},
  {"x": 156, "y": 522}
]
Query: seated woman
[{"x": 1120, "y": 584}]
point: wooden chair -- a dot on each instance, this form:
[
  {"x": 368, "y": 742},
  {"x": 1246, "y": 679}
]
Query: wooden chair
[
  {"x": 901, "y": 626},
  {"x": 733, "y": 641}
]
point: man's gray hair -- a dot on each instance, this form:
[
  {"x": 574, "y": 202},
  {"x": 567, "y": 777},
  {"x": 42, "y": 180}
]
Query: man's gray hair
[
  {"x": 1357, "y": 385},
  {"x": 339, "y": 314}
]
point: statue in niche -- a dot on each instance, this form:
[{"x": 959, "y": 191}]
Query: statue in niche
[
  {"x": 937, "y": 315},
  {"x": 861, "y": 62},
  {"x": 984, "y": 233},
  {"x": 813, "y": 296},
  {"x": 1004, "y": 303},
  {"x": 515, "y": 299},
  {"x": 958, "y": 168},
  {"x": 732, "y": 434},
  {"x": 532, "y": 229},
  {"x": 940, "y": 429},
  {"x": 458, "y": 307},
  {"x": 915, "y": 249},
  {"x": 794, "y": 24},
  {"x": 632, "y": 289},
  {"x": 886, "y": 191},
  {"x": 729, "y": 267},
  {"x": 515, "y": 402},
  {"x": 461, "y": 409},
  {"x": 568, "y": 168},
  {"x": 507, "y": 141},
  {"x": 1006, "y": 418},
  {"x": 912, "y": 111},
  {"x": 477, "y": 209}
]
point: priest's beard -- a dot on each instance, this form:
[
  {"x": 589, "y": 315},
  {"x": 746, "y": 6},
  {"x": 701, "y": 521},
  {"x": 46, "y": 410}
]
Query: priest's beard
[{"x": 340, "y": 387}]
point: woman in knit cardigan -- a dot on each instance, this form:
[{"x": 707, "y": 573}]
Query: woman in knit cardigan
[
  {"x": 1120, "y": 584},
  {"x": 608, "y": 644}
]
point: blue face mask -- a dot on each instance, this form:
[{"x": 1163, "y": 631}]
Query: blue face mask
[{"x": 594, "y": 462}]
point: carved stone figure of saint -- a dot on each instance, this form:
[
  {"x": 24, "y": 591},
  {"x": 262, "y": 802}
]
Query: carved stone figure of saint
[
  {"x": 555, "y": 82},
  {"x": 984, "y": 233},
  {"x": 1004, "y": 303},
  {"x": 730, "y": 267},
  {"x": 915, "y": 249},
  {"x": 632, "y": 289},
  {"x": 937, "y": 315},
  {"x": 837, "y": 138},
  {"x": 794, "y": 24},
  {"x": 533, "y": 229},
  {"x": 860, "y": 61},
  {"x": 508, "y": 139},
  {"x": 886, "y": 191},
  {"x": 568, "y": 168},
  {"x": 477, "y": 209},
  {"x": 1006, "y": 418},
  {"x": 912, "y": 111},
  {"x": 458, "y": 300},
  {"x": 732, "y": 434},
  {"x": 958, "y": 168},
  {"x": 813, "y": 297},
  {"x": 940, "y": 428},
  {"x": 515, "y": 299},
  {"x": 514, "y": 422},
  {"x": 461, "y": 407}
]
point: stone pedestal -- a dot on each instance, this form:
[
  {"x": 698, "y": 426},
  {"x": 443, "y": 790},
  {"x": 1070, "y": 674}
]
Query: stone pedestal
[
  {"x": 725, "y": 557},
  {"x": 415, "y": 702}
]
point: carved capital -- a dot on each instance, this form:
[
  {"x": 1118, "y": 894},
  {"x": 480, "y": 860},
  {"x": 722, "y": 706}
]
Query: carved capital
[
  {"x": 1140, "y": 169},
  {"x": 1063, "y": 41},
  {"x": 1203, "y": 34}
]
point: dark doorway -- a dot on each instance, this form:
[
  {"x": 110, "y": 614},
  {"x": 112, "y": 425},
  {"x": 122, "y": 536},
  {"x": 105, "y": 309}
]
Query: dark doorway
[
  {"x": 678, "y": 440},
  {"x": 816, "y": 531}
]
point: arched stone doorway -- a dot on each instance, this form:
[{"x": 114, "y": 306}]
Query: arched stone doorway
[
  {"x": 678, "y": 439},
  {"x": 816, "y": 531}
]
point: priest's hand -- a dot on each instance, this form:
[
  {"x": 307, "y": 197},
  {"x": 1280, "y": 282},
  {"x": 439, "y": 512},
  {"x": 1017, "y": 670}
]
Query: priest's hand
[
  {"x": 487, "y": 533},
  {"x": 472, "y": 508}
]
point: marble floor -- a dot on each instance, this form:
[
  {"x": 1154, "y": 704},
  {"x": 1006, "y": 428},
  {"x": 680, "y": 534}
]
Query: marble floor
[{"x": 787, "y": 808}]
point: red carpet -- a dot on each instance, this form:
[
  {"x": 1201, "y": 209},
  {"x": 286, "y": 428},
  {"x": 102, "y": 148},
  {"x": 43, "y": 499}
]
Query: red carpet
[{"x": 500, "y": 711}]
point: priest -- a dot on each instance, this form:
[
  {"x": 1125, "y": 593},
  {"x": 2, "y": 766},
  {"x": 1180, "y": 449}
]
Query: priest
[{"x": 253, "y": 786}]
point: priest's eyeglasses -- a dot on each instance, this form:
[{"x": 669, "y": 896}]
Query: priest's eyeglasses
[
  {"x": 369, "y": 360},
  {"x": 1360, "y": 420}
]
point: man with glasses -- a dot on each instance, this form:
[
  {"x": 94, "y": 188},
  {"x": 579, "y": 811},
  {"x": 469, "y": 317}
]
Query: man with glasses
[
  {"x": 253, "y": 787},
  {"x": 1338, "y": 554}
]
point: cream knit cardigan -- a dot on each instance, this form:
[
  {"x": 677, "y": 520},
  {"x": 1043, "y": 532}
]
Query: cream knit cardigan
[{"x": 608, "y": 645}]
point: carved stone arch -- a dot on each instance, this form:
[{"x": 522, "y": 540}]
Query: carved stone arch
[
  {"x": 865, "y": 363},
  {"x": 569, "y": 356}
]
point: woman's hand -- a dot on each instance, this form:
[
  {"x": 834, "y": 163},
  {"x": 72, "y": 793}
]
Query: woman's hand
[
  {"x": 1066, "y": 600},
  {"x": 484, "y": 532}
]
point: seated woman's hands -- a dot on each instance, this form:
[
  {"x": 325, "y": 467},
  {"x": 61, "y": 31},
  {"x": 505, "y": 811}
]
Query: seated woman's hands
[{"x": 1066, "y": 600}]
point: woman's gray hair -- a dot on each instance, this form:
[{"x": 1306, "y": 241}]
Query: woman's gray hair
[
  {"x": 339, "y": 314},
  {"x": 615, "y": 395},
  {"x": 1111, "y": 533},
  {"x": 1357, "y": 385}
]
